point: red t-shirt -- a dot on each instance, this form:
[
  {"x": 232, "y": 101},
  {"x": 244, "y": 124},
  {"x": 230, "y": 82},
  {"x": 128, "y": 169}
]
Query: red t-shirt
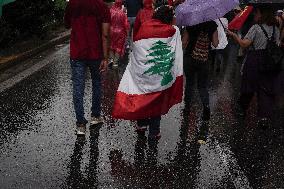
[{"x": 85, "y": 17}]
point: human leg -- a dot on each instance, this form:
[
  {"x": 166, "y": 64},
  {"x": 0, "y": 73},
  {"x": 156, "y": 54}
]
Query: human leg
[
  {"x": 189, "y": 71},
  {"x": 202, "y": 85},
  {"x": 154, "y": 127},
  {"x": 245, "y": 99},
  {"x": 96, "y": 88},
  {"x": 78, "y": 81},
  {"x": 131, "y": 21},
  {"x": 115, "y": 59}
]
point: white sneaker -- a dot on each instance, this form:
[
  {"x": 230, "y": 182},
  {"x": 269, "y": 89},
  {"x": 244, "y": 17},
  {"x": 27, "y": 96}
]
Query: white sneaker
[
  {"x": 96, "y": 120},
  {"x": 81, "y": 130}
]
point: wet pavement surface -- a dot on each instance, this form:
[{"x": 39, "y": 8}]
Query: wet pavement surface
[{"x": 39, "y": 149}]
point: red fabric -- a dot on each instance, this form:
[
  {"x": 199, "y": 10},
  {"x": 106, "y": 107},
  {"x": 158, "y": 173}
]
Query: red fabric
[
  {"x": 154, "y": 29},
  {"x": 119, "y": 28},
  {"x": 134, "y": 107},
  {"x": 238, "y": 22},
  {"x": 143, "y": 15},
  {"x": 85, "y": 19}
]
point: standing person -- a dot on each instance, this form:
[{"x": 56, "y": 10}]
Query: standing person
[
  {"x": 153, "y": 80},
  {"x": 223, "y": 42},
  {"x": 254, "y": 80},
  {"x": 118, "y": 32},
  {"x": 89, "y": 21},
  {"x": 143, "y": 15},
  {"x": 196, "y": 43},
  {"x": 132, "y": 7}
]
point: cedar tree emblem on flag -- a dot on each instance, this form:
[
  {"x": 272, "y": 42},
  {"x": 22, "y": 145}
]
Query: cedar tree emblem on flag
[
  {"x": 163, "y": 59},
  {"x": 153, "y": 80}
]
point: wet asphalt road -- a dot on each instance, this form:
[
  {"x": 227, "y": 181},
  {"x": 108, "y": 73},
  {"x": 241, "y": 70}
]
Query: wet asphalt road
[{"x": 38, "y": 147}]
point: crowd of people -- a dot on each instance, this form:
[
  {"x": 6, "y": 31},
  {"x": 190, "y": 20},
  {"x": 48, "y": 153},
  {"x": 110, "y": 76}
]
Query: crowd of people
[{"x": 132, "y": 23}]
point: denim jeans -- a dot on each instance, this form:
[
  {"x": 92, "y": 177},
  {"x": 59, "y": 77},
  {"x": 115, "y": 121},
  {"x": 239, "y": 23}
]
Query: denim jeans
[
  {"x": 79, "y": 68},
  {"x": 193, "y": 70},
  {"x": 131, "y": 21},
  {"x": 153, "y": 123}
]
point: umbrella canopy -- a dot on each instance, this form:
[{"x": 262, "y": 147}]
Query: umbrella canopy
[
  {"x": 273, "y": 3},
  {"x": 193, "y": 12},
  {"x": 4, "y": 2}
]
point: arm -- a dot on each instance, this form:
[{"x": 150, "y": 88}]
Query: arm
[
  {"x": 185, "y": 39},
  {"x": 105, "y": 39},
  {"x": 106, "y": 20},
  {"x": 244, "y": 43},
  {"x": 215, "y": 39}
]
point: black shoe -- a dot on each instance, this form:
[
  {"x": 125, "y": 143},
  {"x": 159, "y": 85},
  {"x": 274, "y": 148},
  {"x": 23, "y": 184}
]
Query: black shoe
[{"x": 206, "y": 114}]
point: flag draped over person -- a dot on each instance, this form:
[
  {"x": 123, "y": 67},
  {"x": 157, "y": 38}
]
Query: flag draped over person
[{"x": 153, "y": 80}]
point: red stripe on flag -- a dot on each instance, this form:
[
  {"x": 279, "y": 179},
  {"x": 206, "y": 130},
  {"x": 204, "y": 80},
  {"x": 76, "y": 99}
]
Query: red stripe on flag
[
  {"x": 154, "y": 29},
  {"x": 134, "y": 107}
]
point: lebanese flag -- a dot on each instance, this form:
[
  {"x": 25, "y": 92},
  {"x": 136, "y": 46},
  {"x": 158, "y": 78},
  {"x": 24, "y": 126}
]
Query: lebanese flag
[
  {"x": 238, "y": 22},
  {"x": 153, "y": 80}
]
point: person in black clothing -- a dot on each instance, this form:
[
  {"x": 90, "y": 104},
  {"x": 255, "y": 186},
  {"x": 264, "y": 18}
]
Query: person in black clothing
[
  {"x": 196, "y": 43},
  {"x": 133, "y": 7}
]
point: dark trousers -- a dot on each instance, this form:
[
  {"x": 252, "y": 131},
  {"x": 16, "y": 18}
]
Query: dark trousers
[
  {"x": 265, "y": 103},
  {"x": 219, "y": 58},
  {"x": 153, "y": 123},
  {"x": 264, "y": 85},
  {"x": 196, "y": 70}
]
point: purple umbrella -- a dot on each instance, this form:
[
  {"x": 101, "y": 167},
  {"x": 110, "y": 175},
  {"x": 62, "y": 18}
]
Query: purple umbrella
[{"x": 193, "y": 12}]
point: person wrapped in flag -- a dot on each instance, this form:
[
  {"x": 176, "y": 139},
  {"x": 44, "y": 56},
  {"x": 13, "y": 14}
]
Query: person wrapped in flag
[{"x": 153, "y": 80}]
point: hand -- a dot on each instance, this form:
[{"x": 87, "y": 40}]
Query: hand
[
  {"x": 103, "y": 66},
  {"x": 230, "y": 33}
]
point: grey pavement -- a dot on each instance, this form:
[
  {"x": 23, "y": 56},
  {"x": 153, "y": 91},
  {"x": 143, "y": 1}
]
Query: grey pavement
[{"x": 39, "y": 149}]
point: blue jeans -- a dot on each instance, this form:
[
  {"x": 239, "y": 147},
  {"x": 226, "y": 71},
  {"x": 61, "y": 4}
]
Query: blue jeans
[
  {"x": 131, "y": 21},
  {"x": 79, "y": 68}
]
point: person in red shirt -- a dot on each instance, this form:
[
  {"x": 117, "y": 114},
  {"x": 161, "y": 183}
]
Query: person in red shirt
[
  {"x": 143, "y": 15},
  {"x": 118, "y": 32},
  {"x": 89, "y": 22}
]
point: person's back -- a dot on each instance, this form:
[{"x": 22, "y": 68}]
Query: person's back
[
  {"x": 118, "y": 32},
  {"x": 144, "y": 15},
  {"x": 85, "y": 17},
  {"x": 258, "y": 38},
  {"x": 194, "y": 32},
  {"x": 89, "y": 21},
  {"x": 133, "y": 7},
  {"x": 118, "y": 19}
]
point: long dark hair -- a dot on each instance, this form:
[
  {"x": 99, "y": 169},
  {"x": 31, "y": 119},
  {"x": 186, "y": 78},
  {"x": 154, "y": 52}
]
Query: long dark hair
[
  {"x": 267, "y": 16},
  {"x": 164, "y": 13}
]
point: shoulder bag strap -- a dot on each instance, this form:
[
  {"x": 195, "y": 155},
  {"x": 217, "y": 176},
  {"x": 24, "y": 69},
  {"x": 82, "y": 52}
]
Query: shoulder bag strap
[
  {"x": 264, "y": 31},
  {"x": 222, "y": 24}
]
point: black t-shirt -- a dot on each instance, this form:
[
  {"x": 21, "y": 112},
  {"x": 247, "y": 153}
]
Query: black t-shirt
[
  {"x": 133, "y": 7},
  {"x": 194, "y": 31}
]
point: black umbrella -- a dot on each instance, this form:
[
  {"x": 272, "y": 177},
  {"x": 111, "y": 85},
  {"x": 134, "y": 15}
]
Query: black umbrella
[{"x": 273, "y": 3}]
